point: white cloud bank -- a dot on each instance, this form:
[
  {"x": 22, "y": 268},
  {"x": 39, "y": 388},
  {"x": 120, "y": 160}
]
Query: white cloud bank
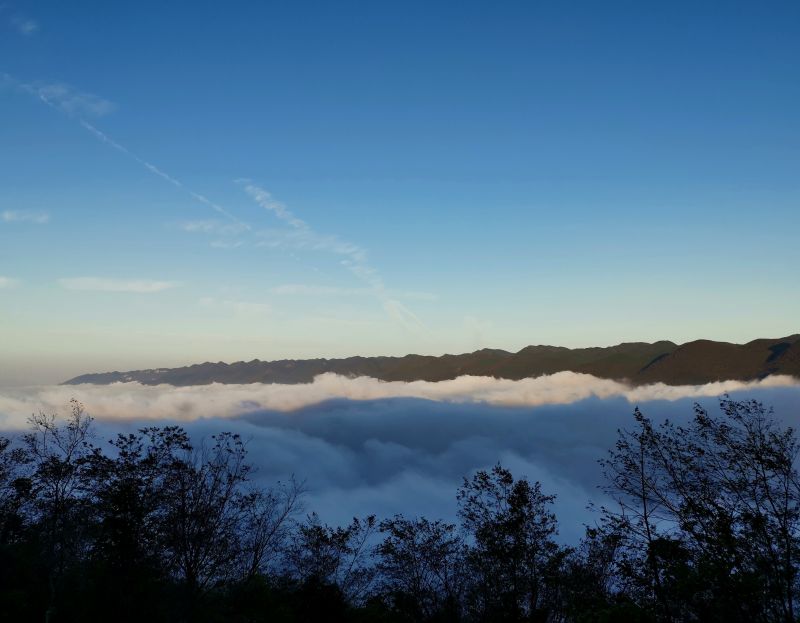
[
  {"x": 135, "y": 401},
  {"x": 7, "y": 282}
]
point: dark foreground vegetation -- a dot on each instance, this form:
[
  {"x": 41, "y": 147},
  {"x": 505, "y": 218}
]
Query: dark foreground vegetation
[{"x": 701, "y": 525}]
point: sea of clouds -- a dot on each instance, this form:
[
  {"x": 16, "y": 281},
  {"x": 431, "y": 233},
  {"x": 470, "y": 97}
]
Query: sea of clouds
[{"x": 367, "y": 446}]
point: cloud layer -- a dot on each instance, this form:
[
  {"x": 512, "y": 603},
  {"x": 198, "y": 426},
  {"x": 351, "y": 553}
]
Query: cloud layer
[
  {"x": 135, "y": 401},
  {"x": 365, "y": 446}
]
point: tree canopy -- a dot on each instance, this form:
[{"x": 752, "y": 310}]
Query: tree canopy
[{"x": 701, "y": 522}]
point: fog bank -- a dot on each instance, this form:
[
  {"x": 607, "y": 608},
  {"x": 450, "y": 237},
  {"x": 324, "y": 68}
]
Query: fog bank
[
  {"x": 136, "y": 401},
  {"x": 366, "y": 446}
]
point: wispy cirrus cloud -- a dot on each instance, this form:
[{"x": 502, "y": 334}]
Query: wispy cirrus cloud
[
  {"x": 229, "y": 233},
  {"x": 25, "y": 26},
  {"x": 61, "y": 96},
  {"x": 353, "y": 257},
  {"x": 100, "y": 284},
  {"x": 265, "y": 199},
  {"x": 226, "y": 244},
  {"x": 7, "y": 282},
  {"x": 69, "y": 99},
  {"x": 214, "y": 227},
  {"x": 301, "y": 289},
  {"x": 244, "y": 308},
  {"x": 25, "y": 216},
  {"x": 309, "y": 240},
  {"x": 105, "y": 138},
  {"x": 80, "y": 104},
  {"x": 299, "y": 235}
]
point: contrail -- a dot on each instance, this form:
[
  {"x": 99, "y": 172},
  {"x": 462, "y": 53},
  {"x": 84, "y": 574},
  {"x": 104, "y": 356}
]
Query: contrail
[
  {"x": 156, "y": 171},
  {"x": 68, "y": 100},
  {"x": 355, "y": 258}
]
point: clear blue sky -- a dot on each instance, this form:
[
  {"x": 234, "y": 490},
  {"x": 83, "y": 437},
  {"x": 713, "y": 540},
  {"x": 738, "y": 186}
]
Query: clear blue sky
[{"x": 391, "y": 177}]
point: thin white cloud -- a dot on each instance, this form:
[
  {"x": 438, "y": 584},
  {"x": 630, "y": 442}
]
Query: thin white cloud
[
  {"x": 25, "y": 216},
  {"x": 7, "y": 282},
  {"x": 301, "y": 289},
  {"x": 99, "y": 284},
  {"x": 213, "y": 227},
  {"x": 121, "y": 148},
  {"x": 354, "y": 257},
  {"x": 230, "y": 233},
  {"x": 105, "y": 138},
  {"x": 414, "y": 295},
  {"x": 309, "y": 240},
  {"x": 69, "y": 99},
  {"x": 79, "y": 104},
  {"x": 226, "y": 244},
  {"x": 61, "y": 96},
  {"x": 269, "y": 203},
  {"x": 249, "y": 308},
  {"x": 242, "y": 308},
  {"x": 25, "y": 26}
]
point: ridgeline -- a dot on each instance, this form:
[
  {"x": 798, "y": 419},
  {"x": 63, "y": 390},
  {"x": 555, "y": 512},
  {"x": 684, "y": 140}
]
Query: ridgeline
[{"x": 701, "y": 361}]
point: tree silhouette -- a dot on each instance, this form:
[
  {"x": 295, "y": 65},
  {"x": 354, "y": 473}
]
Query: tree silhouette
[
  {"x": 703, "y": 525},
  {"x": 709, "y": 514},
  {"x": 512, "y": 528},
  {"x": 325, "y": 555},
  {"x": 420, "y": 564}
]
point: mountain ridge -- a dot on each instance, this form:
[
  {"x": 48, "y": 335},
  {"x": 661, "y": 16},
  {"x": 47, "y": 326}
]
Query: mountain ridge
[{"x": 691, "y": 363}]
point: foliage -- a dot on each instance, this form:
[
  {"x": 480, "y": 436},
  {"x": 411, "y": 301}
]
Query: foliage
[
  {"x": 703, "y": 524},
  {"x": 708, "y": 514}
]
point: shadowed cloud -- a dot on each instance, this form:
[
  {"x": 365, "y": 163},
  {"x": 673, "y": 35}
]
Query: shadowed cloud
[{"x": 365, "y": 446}]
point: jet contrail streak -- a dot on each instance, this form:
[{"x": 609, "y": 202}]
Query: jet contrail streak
[
  {"x": 156, "y": 171},
  {"x": 355, "y": 257}
]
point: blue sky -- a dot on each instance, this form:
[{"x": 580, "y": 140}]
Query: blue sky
[{"x": 390, "y": 178}]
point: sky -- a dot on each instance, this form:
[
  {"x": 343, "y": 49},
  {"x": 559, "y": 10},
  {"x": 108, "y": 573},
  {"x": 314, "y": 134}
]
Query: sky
[{"x": 193, "y": 181}]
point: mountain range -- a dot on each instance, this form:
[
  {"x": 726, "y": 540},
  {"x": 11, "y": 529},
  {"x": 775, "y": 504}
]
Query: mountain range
[{"x": 700, "y": 361}]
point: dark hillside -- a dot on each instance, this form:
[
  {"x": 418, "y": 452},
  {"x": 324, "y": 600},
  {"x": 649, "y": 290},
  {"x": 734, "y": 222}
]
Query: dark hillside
[{"x": 701, "y": 361}]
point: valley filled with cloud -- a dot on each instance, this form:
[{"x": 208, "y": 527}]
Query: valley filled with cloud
[{"x": 366, "y": 446}]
